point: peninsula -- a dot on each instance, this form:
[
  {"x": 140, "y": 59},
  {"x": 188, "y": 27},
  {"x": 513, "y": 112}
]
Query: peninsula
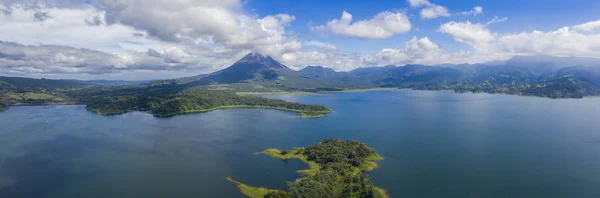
[{"x": 197, "y": 101}]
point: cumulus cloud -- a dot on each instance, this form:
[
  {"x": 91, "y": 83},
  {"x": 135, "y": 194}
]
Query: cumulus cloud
[
  {"x": 69, "y": 27},
  {"x": 383, "y": 25},
  {"x": 419, "y": 3},
  {"x": 434, "y": 11},
  {"x": 414, "y": 51},
  {"x": 18, "y": 58},
  {"x": 202, "y": 35},
  {"x": 589, "y": 26},
  {"x": 562, "y": 42},
  {"x": 474, "y": 34},
  {"x": 221, "y": 22},
  {"x": 430, "y": 10}
]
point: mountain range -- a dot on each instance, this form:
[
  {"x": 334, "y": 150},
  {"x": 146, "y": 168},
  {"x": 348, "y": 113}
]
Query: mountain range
[{"x": 553, "y": 77}]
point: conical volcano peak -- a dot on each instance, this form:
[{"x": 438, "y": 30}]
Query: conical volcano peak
[
  {"x": 261, "y": 59},
  {"x": 255, "y": 55}
]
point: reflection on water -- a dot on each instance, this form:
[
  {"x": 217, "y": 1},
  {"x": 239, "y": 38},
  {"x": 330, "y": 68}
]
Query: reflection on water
[{"x": 461, "y": 145}]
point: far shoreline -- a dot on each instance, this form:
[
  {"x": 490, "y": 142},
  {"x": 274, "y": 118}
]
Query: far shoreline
[
  {"x": 292, "y": 93},
  {"x": 285, "y": 93}
]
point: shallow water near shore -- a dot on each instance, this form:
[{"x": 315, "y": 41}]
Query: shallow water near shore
[{"x": 435, "y": 144}]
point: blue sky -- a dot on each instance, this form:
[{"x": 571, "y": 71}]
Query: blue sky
[
  {"x": 139, "y": 40},
  {"x": 523, "y": 15}
]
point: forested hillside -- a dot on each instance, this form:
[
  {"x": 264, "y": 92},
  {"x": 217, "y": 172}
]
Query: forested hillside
[
  {"x": 196, "y": 100},
  {"x": 28, "y": 91}
]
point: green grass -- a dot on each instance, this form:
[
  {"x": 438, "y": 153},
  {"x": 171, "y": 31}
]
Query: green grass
[
  {"x": 313, "y": 167},
  {"x": 251, "y": 191},
  {"x": 106, "y": 113},
  {"x": 380, "y": 193},
  {"x": 35, "y": 96},
  {"x": 371, "y": 164}
]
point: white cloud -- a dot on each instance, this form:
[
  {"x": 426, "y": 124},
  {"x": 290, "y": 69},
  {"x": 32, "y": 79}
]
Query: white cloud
[
  {"x": 477, "y": 10},
  {"x": 589, "y": 26},
  {"x": 419, "y": 3},
  {"x": 434, "y": 11},
  {"x": 430, "y": 10},
  {"x": 172, "y": 55},
  {"x": 222, "y": 22},
  {"x": 66, "y": 27},
  {"x": 474, "y": 34},
  {"x": 114, "y": 24},
  {"x": 202, "y": 36},
  {"x": 322, "y": 45},
  {"x": 383, "y": 25},
  {"x": 561, "y": 42},
  {"x": 128, "y": 39},
  {"x": 496, "y": 20},
  {"x": 414, "y": 51}
]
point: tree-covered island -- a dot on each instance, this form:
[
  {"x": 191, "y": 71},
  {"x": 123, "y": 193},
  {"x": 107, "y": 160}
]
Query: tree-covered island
[{"x": 336, "y": 169}]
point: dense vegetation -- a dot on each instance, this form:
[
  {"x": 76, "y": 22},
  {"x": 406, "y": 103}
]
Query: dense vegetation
[
  {"x": 196, "y": 100},
  {"x": 160, "y": 100},
  {"x": 336, "y": 170},
  {"x": 27, "y": 91}
]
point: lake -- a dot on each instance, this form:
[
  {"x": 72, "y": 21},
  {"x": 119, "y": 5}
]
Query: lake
[{"x": 436, "y": 144}]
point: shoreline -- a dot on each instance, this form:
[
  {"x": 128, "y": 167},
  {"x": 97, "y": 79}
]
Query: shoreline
[
  {"x": 303, "y": 114},
  {"x": 397, "y": 88},
  {"x": 313, "y": 93}
]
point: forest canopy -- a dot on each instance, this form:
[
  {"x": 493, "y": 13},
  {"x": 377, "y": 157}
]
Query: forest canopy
[
  {"x": 336, "y": 170},
  {"x": 196, "y": 100}
]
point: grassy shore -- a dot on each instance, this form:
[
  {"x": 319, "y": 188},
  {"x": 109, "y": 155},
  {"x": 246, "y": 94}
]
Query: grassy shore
[
  {"x": 380, "y": 193},
  {"x": 251, "y": 191},
  {"x": 313, "y": 168}
]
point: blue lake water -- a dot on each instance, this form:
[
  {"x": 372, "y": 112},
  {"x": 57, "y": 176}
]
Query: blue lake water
[{"x": 436, "y": 144}]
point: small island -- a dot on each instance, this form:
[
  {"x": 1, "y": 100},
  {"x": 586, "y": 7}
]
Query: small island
[{"x": 336, "y": 169}]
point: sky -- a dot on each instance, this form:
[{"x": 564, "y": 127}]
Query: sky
[{"x": 163, "y": 39}]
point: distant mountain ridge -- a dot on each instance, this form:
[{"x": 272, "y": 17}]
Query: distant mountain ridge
[
  {"x": 536, "y": 76},
  {"x": 539, "y": 76}
]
